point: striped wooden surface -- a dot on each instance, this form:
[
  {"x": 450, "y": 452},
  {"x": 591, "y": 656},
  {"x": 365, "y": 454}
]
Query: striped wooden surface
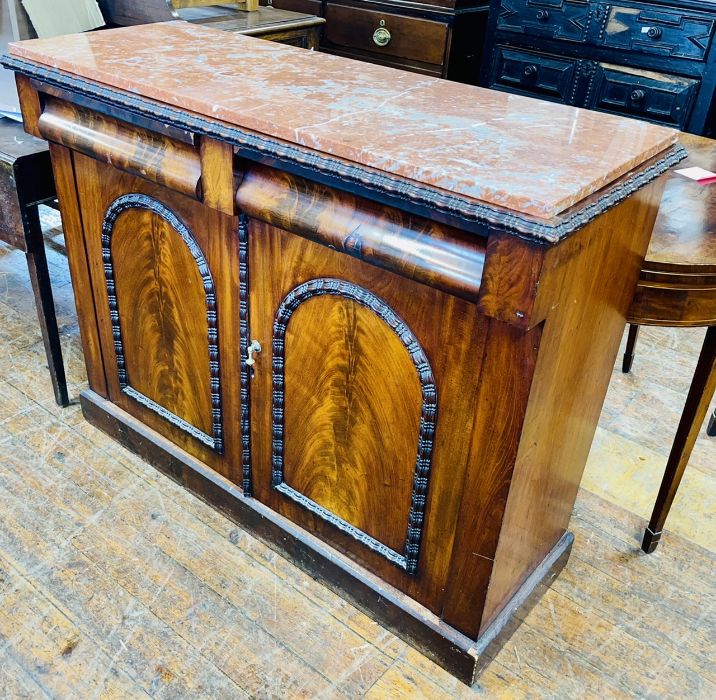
[{"x": 115, "y": 582}]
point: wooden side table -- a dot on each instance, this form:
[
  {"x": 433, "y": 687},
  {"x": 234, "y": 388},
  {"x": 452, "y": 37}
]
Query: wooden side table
[
  {"x": 26, "y": 182},
  {"x": 678, "y": 288},
  {"x": 270, "y": 23}
]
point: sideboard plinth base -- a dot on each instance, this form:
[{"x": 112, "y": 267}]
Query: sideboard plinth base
[{"x": 461, "y": 656}]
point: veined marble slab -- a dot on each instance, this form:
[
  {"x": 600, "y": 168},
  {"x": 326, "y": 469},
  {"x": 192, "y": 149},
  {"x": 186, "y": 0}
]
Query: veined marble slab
[{"x": 533, "y": 157}]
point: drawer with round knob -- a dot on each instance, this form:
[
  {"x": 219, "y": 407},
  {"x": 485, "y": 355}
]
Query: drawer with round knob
[
  {"x": 551, "y": 19},
  {"x": 533, "y": 74},
  {"x": 661, "y": 98},
  {"x": 665, "y": 32},
  {"x": 383, "y": 33}
]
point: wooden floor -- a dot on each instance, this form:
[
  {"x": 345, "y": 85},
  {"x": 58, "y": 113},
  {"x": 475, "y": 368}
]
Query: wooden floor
[{"x": 116, "y": 583}]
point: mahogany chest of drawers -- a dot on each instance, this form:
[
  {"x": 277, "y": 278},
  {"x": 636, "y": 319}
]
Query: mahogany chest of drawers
[
  {"x": 443, "y": 38},
  {"x": 649, "y": 59}
]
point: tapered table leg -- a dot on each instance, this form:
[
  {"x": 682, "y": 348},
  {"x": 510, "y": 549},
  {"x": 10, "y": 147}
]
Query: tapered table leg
[
  {"x": 702, "y": 390},
  {"x": 630, "y": 345},
  {"x": 40, "y": 279}
]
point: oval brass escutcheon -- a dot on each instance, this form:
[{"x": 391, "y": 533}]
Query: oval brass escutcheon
[{"x": 381, "y": 37}]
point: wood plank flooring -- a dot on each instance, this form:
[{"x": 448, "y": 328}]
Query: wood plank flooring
[{"x": 117, "y": 583}]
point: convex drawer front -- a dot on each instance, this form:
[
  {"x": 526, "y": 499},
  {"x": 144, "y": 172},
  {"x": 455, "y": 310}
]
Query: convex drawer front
[
  {"x": 657, "y": 31},
  {"x": 535, "y": 74},
  {"x": 387, "y": 34},
  {"x": 654, "y": 96},
  {"x": 555, "y": 19}
]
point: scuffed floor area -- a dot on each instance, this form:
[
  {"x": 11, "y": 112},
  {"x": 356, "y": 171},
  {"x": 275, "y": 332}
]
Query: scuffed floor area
[{"x": 117, "y": 583}]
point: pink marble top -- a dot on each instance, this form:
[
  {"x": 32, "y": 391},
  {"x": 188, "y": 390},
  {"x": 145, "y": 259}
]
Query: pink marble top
[{"x": 527, "y": 155}]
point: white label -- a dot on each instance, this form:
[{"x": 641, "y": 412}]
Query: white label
[{"x": 697, "y": 174}]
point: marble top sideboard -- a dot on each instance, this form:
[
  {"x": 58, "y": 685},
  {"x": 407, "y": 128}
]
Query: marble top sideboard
[{"x": 370, "y": 315}]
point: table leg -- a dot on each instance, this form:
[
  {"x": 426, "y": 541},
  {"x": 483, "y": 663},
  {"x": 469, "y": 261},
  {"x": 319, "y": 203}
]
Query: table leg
[
  {"x": 629, "y": 350},
  {"x": 40, "y": 279},
  {"x": 711, "y": 430},
  {"x": 701, "y": 391}
]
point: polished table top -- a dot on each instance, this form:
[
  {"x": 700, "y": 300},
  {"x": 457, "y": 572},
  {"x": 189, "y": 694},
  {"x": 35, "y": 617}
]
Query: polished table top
[
  {"x": 684, "y": 235},
  {"x": 528, "y": 156},
  {"x": 677, "y": 285}
]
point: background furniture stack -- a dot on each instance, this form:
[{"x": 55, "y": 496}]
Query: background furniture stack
[
  {"x": 443, "y": 38},
  {"x": 273, "y": 24},
  {"x": 650, "y": 59}
]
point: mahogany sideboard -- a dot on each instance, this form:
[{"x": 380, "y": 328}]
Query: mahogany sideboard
[{"x": 365, "y": 312}]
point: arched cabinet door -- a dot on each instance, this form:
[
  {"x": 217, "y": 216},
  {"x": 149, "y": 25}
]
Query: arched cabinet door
[
  {"x": 162, "y": 308},
  {"x": 355, "y": 395},
  {"x": 168, "y": 331},
  {"x": 353, "y": 416}
]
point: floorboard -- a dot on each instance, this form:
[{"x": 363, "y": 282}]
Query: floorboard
[{"x": 117, "y": 583}]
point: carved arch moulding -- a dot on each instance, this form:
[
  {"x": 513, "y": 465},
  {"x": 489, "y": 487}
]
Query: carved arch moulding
[{"x": 408, "y": 558}]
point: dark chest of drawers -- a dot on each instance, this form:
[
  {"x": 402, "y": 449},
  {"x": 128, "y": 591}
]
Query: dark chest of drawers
[
  {"x": 443, "y": 38},
  {"x": 649, "y": 59}
]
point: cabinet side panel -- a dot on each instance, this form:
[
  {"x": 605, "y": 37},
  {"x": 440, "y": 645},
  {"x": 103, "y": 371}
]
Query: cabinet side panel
[
  {"x": 585, "y": 292},
  {"x": 507, "y": 373},
  {"x": 64, "y": 172}
]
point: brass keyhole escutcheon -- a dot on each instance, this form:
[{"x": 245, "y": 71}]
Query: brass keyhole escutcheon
[{"x": 381, "y": 36}]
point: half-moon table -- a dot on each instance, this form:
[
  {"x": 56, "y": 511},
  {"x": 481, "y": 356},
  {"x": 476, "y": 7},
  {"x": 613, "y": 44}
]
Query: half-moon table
[{"x": 677, "y": 287}]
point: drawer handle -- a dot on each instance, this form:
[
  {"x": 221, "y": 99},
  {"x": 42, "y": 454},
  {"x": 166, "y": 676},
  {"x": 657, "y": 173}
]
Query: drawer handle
[
  {"x": 654, "y": 32},
  {"x": 637, "y": 95},
  {"x": 381, "y": 36},
  {"x": 542, "y": 15},
  {"x": 530, "y": 70}
]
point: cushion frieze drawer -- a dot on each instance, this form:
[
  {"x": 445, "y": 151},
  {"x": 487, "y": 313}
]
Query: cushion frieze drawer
[
  {"x": 656, "y": 31},
  {"x": 386, "y": 34},
  {"x": 541, "y": 75},
  {"x": 553, "y": 19},
  {"x": 654, "y": 96}
]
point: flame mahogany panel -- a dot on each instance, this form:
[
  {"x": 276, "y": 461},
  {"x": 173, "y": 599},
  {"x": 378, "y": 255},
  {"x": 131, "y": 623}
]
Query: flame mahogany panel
[
  {"x": 164, "y": 307},
  {"x": 360, "y": 353}
]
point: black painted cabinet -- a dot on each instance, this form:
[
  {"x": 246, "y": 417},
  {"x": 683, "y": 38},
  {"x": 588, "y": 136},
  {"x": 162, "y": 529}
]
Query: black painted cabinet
[{"x": 648, "y": 59}]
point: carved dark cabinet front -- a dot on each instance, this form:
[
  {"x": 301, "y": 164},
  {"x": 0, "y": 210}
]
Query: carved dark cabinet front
[
  {"x": 526, "y": 72},
  {"x": 647, "y": 59}
]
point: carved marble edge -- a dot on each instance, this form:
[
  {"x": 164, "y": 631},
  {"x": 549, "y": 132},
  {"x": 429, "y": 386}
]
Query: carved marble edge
[{"x": 362, "y": 177}]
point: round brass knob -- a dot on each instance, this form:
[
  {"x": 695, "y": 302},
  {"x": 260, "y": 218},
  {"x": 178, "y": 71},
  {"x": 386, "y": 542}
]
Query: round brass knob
[
  {"x": 654, "y": 32},
  {"x": 542, "y": 15},
  {"x": 381, "y": 37},
  {"x": 530, "y": 70}
]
